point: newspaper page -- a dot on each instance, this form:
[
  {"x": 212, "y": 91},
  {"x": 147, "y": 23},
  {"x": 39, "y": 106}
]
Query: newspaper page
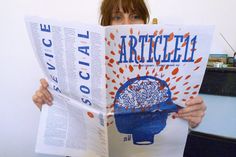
[
  {"x": 115, "y": 88},
  {"x": 70, "y": 128},
  {"x": 151, "y": 71},
  {"x": 72, "y": 59}
]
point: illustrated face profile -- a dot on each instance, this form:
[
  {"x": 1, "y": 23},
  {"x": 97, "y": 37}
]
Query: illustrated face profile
[{"x": 142, "y": 106}]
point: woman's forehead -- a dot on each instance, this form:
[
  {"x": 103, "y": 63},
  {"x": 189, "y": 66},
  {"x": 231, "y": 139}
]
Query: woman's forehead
[
  {"x": 124, "y": 6},
  {"x": 122, "y": 11}
]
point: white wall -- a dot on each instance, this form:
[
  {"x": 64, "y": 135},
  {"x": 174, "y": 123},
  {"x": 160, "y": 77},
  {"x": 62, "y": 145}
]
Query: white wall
[
  {"x": 20, "y": 72},
  {"x": 220, "y": 13}
]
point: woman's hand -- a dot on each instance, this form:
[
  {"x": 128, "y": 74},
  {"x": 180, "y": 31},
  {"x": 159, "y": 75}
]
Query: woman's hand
[
  {"x": 193, "y": 112},
  {"x": 42, "y": 95}
]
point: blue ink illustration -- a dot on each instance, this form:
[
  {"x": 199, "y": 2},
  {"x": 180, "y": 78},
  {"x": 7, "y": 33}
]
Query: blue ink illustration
[{"x": 142, "y": 106}]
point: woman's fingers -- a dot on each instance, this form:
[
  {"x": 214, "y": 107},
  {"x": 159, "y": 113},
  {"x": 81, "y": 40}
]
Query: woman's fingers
[
  {"x": 197, "y": 113},
  {"x": 193, "y": 121},
  {"x": 46, "y": 94},
  {"x": 194, "y": 101},
  {"x": 42, "y": 95},
  {"x": 44, "y": 83},
  {"x": 194, "y": 108},
  {"x": 193, "y": 112},
  {"x": 44, "y": 90},
  {"x": 38, "y": 101}
]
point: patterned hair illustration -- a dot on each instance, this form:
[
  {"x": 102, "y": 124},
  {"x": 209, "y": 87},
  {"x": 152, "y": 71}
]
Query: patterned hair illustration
[{"x": 142, "y": 106}]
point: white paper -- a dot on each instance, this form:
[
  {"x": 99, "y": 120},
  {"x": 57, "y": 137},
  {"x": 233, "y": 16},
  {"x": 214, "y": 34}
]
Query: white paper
[
  {"x": 115, "y": 88},
  {"x": 70, "y": 128}
]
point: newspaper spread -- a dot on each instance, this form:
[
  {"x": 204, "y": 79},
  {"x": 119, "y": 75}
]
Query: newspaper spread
[{"x": 116, "y": 87}]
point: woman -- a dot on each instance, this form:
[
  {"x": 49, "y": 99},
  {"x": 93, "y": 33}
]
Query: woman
[{"x": 120, "y": 12}]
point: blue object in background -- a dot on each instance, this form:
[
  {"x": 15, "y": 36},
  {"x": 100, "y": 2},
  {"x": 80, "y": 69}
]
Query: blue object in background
[{"x": 142, "y": 106}]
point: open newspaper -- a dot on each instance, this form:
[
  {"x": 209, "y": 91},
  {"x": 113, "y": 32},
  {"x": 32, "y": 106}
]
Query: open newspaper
[{"x": 116, "y": 87}]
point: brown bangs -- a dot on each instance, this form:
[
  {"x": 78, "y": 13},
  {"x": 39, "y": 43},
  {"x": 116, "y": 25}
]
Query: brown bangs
[{"x": 129, "y": 6}]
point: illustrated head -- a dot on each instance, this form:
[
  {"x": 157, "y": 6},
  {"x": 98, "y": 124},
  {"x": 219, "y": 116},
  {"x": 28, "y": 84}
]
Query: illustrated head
[{"x": 142, "y": 106}]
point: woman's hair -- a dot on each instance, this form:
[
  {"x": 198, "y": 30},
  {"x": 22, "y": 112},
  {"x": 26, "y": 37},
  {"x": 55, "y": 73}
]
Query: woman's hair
[{"x": 137, "y": 6}]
